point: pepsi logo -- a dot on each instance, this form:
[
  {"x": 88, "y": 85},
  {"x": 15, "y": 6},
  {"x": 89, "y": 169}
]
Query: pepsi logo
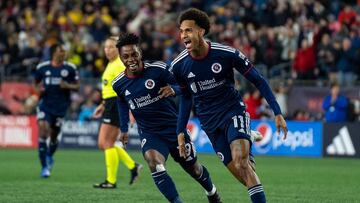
[
  {"x": 216, "y": 67},
  {"x": 193, "y": 130}
]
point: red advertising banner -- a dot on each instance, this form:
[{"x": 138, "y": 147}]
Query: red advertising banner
[{"x": 18, "y": 131}]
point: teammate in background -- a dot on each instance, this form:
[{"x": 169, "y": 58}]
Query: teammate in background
[
  {"x": 204, "y": 70},
  {"x": 109, "y": 129},
  {"x": 54, "y": 81},
  {"x": 144, "y": 87}
]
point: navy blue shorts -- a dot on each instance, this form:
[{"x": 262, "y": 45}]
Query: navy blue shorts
[
  {"x": 236, "y": 127},
  {"x": 166, "y": 144},
  {"x": 53, "y": 120}
]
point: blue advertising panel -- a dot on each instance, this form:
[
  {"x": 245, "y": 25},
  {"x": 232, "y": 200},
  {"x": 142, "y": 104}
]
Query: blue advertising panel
[
  {"x": 199, "y": 137},
  {"x": 303, "y": 139}
]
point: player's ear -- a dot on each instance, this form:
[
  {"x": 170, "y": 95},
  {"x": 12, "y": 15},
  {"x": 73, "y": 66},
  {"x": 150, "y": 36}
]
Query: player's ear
[{"x": 202, "y": 32}]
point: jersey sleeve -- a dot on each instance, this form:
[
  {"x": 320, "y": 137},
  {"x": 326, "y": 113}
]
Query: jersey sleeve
[
  {"x": 38, "y": 76},
  {"x": 169, "y": 78},
  {"x": 123, "y": 111},
  {"x": 74, "y": 75},
  {"x": 185, "y": 103},
  {"x": 246, "y": 68}
]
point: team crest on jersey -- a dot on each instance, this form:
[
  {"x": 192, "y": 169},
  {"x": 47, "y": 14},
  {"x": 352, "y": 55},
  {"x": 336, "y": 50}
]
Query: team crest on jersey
[
  {"x": 149, "y": 83},
  {"x": 64, "y": 73},
  {"x": 131, "y": 104},
  {"x": 193, "y": 87},
  {"x": 47, "y": 73},
  {"x": 220, "y": 155},
  {"x": 216, "y": 67},
  {"x": 105, "y": 82}
]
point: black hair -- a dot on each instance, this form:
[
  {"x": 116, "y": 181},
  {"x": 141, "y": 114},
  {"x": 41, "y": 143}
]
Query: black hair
[
  {"x": 127, "y": 39},
  {"x": 53, "y": 49},
  {"x": 200, "y": 17}
]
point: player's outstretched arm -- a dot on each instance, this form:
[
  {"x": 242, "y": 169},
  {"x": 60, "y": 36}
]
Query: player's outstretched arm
[
  {"x": 260, "y": 83},
  {"x": 124, "y": 119}
]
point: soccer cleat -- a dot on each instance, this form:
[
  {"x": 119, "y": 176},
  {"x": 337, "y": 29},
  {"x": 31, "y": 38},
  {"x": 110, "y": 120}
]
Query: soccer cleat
[
  {"x": 105, "y": 185},
  {"x": 255, "y": 136},
  {"x": 135, "y": 173},
  {"x": 215, "y": 198},
  {"x": 45, "y": 172},
  {"x": 50, "y": 162}
]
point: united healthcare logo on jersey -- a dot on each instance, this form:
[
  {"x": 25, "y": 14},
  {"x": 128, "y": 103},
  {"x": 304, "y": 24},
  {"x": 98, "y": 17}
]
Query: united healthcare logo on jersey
[{"x": 303, "y": 139}]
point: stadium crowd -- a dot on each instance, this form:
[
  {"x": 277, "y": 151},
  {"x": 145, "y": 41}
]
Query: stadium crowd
[{"x": 289, "y": 40}]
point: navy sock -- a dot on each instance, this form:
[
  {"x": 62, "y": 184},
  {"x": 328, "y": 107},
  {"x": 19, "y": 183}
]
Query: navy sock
[
  {"x": 257, "y": 194},
  {"x": 42, "y": 148},
  {"x": 166, "y": 185},
  {"x": 205, "y": 180},
  {"x": 52, "y": 148}
]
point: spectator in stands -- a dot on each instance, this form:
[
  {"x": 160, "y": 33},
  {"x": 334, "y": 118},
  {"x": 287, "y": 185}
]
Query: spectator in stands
[
  {"x": 346, "y": 63},
  {"x": 335, "y": 105},
  {"x": 326, "y": 58}
]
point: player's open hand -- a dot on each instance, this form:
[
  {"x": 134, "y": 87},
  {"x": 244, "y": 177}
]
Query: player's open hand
[
  {"x": 166, "y": 91},
  {"x": 181, "y": 143},
  {"x": 281, "y": 125},
  {"x": 124, "y": 138}
]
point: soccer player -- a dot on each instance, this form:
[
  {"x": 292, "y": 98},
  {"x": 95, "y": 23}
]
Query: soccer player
[
  {"x": 145, "y": 87},
  {"x": 109, "y": 129},
  {"x": 204, "y": 71},
  {"x": 54, "y": 81}
]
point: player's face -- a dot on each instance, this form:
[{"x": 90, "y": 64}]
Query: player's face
[
  {"x": 191, "y": 35},
  {"x": 59, "y": 54},
  {"x": 131, "y": 56},
  {"x": 111, "y": 52}
]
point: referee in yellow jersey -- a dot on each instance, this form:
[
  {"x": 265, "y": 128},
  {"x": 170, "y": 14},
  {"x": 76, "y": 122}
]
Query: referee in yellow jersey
[{"x": 109, "y": 129}]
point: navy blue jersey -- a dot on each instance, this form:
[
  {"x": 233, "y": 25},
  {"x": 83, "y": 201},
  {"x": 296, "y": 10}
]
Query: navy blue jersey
[
  {"x": 210, "y": 81},
  {"x": 54, "y": 99},
  {"x": 152, "y": 114}
]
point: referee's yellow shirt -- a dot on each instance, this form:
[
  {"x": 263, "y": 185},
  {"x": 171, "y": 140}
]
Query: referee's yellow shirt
[{"x": 112, "y": 70}]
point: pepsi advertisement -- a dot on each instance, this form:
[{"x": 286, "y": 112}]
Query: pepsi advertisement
[{"x": 303, "y": 139}]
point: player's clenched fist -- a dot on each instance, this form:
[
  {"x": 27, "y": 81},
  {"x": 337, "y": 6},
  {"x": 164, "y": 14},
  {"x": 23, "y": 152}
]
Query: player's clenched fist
[{"x": 181, "y": 143}]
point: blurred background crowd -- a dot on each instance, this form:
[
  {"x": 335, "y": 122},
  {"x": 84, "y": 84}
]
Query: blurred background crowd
[{"x": 291, "y": 42}]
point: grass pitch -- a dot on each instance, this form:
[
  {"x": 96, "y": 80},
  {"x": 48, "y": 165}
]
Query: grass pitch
[{"x": 285, "y": 179}]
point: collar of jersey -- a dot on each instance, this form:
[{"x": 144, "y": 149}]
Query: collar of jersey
[
  {"x": 136, "y": 76},
  {"x": 202, "y": 57}
]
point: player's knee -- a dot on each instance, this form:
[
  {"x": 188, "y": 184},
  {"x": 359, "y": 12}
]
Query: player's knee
[{"x": 156, "y": 167}]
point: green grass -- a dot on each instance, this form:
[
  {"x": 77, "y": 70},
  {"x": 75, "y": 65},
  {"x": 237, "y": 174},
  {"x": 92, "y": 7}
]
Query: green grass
[{"x": 284, "y": 179}]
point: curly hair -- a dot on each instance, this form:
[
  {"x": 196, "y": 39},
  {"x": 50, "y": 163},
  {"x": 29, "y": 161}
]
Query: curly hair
[
  {"x": 127, "y": 39},
  {"x": 200, "y": 17}
]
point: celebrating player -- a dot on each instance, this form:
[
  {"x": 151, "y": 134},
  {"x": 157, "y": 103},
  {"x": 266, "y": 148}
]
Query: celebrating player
[
  {"x": 109, "y": 129},
  {"x": 54, "y": 81},
  {"x": 204, "y": 70},
  {"x": 144, "y": 87}
]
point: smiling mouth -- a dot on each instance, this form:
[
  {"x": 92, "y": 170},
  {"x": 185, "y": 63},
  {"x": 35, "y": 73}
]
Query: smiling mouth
[{"x": 133, "y": 66}]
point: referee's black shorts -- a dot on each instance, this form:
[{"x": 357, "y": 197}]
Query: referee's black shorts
[{"x": 111, "y": 115}]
